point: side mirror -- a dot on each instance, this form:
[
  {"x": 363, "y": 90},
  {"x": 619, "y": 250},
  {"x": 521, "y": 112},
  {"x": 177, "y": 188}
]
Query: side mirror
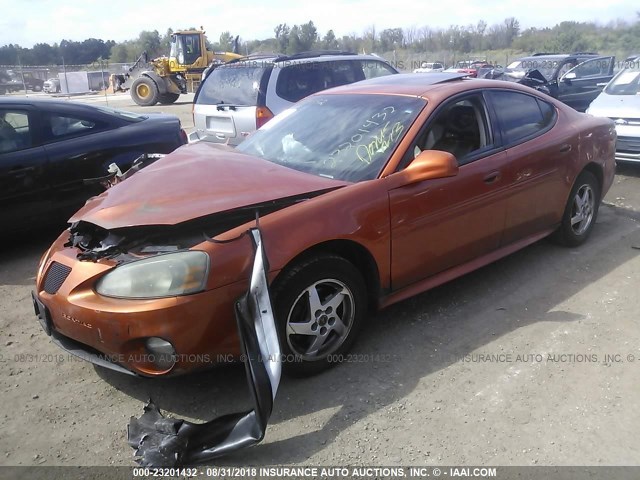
[
  {"x": 569, "y": 76},
  {"x": 428, "y": 165}
]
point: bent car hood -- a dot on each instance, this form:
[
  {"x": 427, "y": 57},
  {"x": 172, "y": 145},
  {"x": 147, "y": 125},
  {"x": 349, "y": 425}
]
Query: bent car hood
[{"x": 194, "y": 181}]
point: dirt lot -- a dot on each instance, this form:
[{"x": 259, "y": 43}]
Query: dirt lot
[{"x": 533, "y": 360}]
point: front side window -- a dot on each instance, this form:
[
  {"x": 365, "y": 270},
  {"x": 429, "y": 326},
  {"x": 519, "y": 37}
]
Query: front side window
[
  {"x": 520, "y": 115},
  {"x": 597, "y": 67},
  {"x": 346, "y": 137},
  {"x": 460, "y": 128},
  {"x": 15, "y": 133}
]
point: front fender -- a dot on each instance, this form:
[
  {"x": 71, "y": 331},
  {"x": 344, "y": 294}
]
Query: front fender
[{"x": 162, "y": 86}]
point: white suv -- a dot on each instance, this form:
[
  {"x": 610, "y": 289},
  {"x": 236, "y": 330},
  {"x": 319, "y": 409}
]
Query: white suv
[{"x": 239, "y": 97}]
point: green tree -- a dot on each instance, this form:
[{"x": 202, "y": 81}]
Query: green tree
[
  {"x": 330, "y": 42},
  {"x": 282, "y": 37}
]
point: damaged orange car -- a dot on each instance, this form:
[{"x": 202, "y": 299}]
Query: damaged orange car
[{"x": 364, "y": 195}]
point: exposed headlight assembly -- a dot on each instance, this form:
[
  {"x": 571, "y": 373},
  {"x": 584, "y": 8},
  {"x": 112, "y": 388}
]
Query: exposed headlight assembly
[{"x": 167, "y": 275}]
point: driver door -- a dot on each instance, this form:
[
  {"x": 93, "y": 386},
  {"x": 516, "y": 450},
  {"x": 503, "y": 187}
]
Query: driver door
[
  {"x": 584, "y": 82},
  {"x": 439, "y": 224}
]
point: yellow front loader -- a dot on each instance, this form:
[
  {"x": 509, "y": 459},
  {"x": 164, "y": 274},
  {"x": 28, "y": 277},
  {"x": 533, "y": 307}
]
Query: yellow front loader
[{"x": 164, "y": 79}]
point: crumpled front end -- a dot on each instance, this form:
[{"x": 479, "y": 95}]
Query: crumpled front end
[{"x": 145, "y": 336}]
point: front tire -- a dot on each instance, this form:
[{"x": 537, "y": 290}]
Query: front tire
[
  {"x": 144, "y": 91},
  {"x": 581, "y": 211},
  {"x": 320, "y": 305}
]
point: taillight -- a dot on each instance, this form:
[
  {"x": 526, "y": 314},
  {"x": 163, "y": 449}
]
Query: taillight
[
  {"x": 263, "y": 115},
  {"x": 183, "y": 137}
]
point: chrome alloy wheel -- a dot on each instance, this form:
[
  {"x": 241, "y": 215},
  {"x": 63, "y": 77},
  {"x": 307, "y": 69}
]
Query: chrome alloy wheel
[
  {"x": 320, "y": 319},
  {"x": 583, "y": 209}
]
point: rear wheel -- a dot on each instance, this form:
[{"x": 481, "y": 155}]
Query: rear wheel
[
  {"x": 168, "y": 98},
  {"x": 580, "y": 212},
  {"x": 37, "y": 88},
  {"x": 144, "y": 91},
  {"x": 320, "y": 305}
]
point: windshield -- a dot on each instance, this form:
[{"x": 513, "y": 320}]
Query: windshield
[
  {"x": 546, "y": 67},
  {"x": 346, "y": 137},
  {"x": 129, "y": 116},
  {"x": 626, "y": 82},
  {"x": 232, "y": 84}
]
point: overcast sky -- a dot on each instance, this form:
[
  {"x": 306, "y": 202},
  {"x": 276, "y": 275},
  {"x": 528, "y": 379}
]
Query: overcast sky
[{"x": 26, "y": 22}]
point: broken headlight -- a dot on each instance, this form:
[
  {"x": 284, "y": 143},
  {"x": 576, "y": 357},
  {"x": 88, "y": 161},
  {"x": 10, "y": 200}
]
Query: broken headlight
[{"x": 167, "y": 275}]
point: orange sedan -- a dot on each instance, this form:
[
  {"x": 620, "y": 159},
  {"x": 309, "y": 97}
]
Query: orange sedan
[{"x": 365, "y": 195}]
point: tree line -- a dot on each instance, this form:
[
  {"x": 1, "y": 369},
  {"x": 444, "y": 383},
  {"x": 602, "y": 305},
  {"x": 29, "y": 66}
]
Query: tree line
[{"x": 570, "y": 36}]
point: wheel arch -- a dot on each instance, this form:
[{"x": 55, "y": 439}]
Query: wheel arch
[
  {"x": 597, "y": 170},
  {"x": 351, "y": 251},
  {"x": 159, "y": 81}
]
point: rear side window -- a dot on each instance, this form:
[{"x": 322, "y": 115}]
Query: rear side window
[
  {"x": 520, "y": 115},
  {"x": 374, "y": 69},
  {"x": 301, "y": 80},
  {"x": 64, "y": 126},
  {"x": 232, "y": 84}
]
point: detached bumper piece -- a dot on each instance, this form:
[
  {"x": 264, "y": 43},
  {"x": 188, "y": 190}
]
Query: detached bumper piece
[{"x": 169, "y": 442}]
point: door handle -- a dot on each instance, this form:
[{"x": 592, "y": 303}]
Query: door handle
[
  {"x": 492, "y": 177},
  {"x": 20, "y": 171},
  {"x": 565, "y": 148}
]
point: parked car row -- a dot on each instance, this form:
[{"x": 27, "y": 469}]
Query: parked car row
[
  {"x": 620, "y": 101},
  {"x": 578, "y": 80}
]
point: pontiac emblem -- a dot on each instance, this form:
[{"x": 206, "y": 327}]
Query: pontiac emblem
[{"x": 75, "y": 320}]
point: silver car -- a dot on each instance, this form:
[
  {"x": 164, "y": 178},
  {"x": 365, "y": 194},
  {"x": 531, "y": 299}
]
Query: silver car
[
  {"x": 237, "y": 98},
  {"x": 620, "y": 101},
  {"x": 52, "y": 85}
]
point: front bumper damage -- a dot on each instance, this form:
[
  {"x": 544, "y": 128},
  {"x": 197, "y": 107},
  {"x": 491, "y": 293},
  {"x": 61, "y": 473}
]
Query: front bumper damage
[{"x": 168, "y": 442}]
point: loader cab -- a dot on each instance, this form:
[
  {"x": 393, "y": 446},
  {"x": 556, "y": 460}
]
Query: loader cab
[{"x": 186, "y": 49}]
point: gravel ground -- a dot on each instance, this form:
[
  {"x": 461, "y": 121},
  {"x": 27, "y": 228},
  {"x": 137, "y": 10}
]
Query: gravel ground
[{"x": 533, "y": 360}]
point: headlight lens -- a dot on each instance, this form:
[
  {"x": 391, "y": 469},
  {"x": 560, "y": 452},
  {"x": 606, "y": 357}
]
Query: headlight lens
[{"x": 168, "y": 275}]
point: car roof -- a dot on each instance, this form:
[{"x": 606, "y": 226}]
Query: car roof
[
  {"x": 412, "y": 84},
  {"x": 265, "y": 59},
  {"x": 558, "y": 56},
  {"x": 45, "y": 102},
  {"x": 432, "y": 86}
]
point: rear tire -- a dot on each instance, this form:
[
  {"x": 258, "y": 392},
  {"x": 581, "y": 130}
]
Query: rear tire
[
  {"x": 320, "y": 305},
  {"x": 144, "y": 91},
  {"x": 580, "y": 213},
  {"x": 168, "y": 98}
]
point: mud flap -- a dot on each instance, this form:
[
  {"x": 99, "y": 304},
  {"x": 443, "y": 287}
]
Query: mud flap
[{"x": 161, "y": 441}]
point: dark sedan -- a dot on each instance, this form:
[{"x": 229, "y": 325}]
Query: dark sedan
[
  {"x": 574, "y": 79},
  {"x": 49, "y": 148}
]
